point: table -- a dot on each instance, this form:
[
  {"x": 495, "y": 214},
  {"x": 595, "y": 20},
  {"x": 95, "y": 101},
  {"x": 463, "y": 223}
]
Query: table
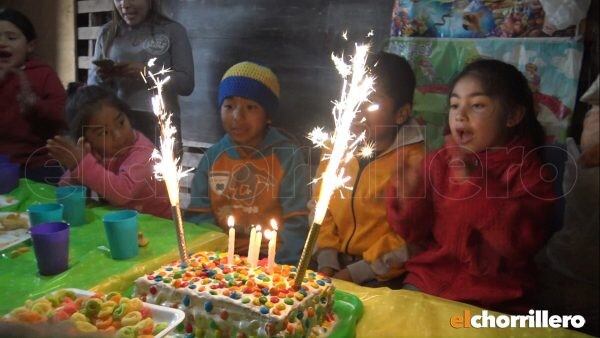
[
  {"x": 89, "y": 266},
  {"x": 387, "y": 313},
  {"x": 404, "y": 313}
]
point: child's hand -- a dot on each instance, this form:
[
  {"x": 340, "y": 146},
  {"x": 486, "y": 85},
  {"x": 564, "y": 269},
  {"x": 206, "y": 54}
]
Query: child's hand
[
  {"x": 66, "y": 152},
  {"x": 106, "y": 73},
  {"x": 129, "y": 69},
  {"x": 343, "y": 274},
  {"x": 459, "y": 163}
]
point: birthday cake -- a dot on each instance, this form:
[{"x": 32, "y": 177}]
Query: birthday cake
[{"x": 238, "y": 300}]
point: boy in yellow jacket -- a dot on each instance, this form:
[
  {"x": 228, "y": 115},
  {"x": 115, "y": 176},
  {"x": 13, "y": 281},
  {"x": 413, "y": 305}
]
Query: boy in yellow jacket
[{"x": 355, "y": 242}]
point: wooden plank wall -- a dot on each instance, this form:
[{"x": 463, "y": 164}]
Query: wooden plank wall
[{"x": 294, "y": 37}]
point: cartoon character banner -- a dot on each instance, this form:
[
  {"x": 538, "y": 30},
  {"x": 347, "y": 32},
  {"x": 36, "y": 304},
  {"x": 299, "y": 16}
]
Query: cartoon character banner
[
  {"x": 551, "y": 65},
  {"x": 485, "y": 18}
]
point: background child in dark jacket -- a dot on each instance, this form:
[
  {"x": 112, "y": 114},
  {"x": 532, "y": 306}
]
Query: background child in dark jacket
[{"x": 32, "y": 100}]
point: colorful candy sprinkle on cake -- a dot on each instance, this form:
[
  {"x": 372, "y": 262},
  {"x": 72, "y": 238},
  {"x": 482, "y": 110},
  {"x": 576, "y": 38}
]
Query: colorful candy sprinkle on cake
[{"x": 240, "y": 301}]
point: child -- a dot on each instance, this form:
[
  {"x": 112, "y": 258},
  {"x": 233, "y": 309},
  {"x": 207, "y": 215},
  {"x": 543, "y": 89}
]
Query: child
[
  {"x": 138, "y": 32},
  {"x": 254, "y": 172},
  {"x": 32, "y": 100},
  {"x": 110, "y": 157},
  {"x": 480, "y": 207},
  {"x": 355, "y": 242}
]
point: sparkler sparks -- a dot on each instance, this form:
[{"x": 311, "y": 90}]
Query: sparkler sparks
[
  {"x": 166, "y": 168},
  {"x": 319, "y": 137},
  {"x": 356, "y": 88},
  {"x": 373, "y": 107},
  {"x": 367, "y": 150}
]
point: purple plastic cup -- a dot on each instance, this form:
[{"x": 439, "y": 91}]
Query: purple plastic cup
[
  {"x": 9, "y": 176},
  {"x": 51, "y": 247}
]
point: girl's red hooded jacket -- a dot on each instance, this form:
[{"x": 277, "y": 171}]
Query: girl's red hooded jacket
[{"x": 479, "y": 220}]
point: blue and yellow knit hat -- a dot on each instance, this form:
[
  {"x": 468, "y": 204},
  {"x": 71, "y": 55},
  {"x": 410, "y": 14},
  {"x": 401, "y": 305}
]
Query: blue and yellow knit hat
[{"x": 251, "y": 81}]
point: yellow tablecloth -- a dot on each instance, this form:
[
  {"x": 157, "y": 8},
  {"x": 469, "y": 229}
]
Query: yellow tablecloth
[
  {"x": 403, "y": 313},
  {"x": 387, "y": 313}
]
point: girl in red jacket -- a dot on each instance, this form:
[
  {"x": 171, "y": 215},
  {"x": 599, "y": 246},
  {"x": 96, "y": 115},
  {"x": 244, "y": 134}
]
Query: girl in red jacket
[
  {"x": 110, "y": 157},
  {"x": 32, "y": 100},
  {"x": 477, "y": 211}
]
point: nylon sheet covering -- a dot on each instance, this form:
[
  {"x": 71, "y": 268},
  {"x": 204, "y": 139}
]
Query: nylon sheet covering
[
  {"x": 387, "y": 313},
  {"x": 91, "y": 267},
  {"x": 403, "y": 313}
]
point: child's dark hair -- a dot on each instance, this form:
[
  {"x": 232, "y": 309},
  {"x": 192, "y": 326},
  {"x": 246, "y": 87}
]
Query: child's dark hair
[
  {"x": 86, "y": 102},
  {"x": 394, "y": 76},
  {"x": 506, "y": 84},
  {"x": 20, "y": 20}
]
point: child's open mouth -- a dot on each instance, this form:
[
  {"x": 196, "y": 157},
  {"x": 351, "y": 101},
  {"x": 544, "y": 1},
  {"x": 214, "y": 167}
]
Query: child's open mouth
[
  {"x": 5, "y": 54},
  {"x": 464, "y": 137}
]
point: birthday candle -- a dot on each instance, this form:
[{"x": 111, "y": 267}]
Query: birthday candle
[
  {"x": 251, "y": 244},
  {"x": 257, "y": 243},
  {"x": 271, "y": 255},
  {"x": 231, "y": 247},
  {"x": 272, "y": 244}
]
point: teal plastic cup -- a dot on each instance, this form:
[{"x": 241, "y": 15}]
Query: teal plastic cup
[
  {"x": 121, "y": 232},
  {"x": 73, "y": 200},
  {"x": 45, "y": 213}
]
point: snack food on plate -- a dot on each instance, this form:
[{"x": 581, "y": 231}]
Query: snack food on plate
[
  {"x": 110, "y": 313},
  {"x": 13, "y": 221}
]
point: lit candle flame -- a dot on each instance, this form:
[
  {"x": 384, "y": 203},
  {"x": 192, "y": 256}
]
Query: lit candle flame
[
  {"x": 273, "y": 223},
  {"x": 230, "y": 221}
]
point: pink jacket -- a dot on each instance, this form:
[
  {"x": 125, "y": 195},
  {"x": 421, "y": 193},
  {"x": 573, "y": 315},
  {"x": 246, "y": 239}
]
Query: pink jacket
[{"x": 125, "y": 181}]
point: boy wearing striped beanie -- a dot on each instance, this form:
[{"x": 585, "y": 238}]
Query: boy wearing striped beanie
[{"x": 254, "y": 173}]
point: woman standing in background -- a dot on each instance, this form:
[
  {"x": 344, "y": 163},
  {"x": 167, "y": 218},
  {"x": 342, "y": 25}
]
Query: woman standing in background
[{"x": 138, "y": 32}]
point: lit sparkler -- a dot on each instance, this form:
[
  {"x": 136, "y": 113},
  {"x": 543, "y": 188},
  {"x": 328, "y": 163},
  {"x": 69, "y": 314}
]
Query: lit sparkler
[
  {"x": 368, "y": 150},
  {"x": 166, "y": 168},
  {"x": 357, "y": 87}
]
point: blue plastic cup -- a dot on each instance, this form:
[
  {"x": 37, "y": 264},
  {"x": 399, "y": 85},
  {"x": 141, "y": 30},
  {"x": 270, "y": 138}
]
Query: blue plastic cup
[
  {"x": 51, "y": 247},
  {"x": 73, "y": 200},
  {"x": 45, "y": 213},
  {"x": 121, "y": 231},
  {"x": 9, "y": 177}
]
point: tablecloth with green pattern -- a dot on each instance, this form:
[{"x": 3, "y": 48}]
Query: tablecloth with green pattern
[{"x": 90, "y": 264}]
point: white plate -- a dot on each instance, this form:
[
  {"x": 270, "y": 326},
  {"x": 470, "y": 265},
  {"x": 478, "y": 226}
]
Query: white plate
[
  {"x": 160, "y": 314},
  {"x": 13, "y": 237},
  {"x": 7, "y": 200}
]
